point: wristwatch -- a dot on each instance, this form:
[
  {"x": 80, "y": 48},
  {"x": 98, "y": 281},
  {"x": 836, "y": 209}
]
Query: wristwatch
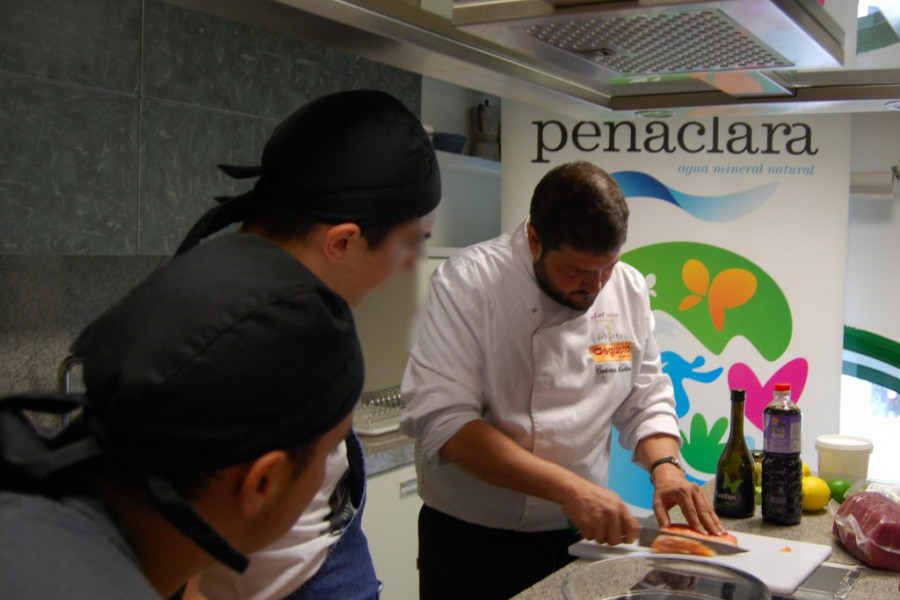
[{"x": 662, "y": 461}]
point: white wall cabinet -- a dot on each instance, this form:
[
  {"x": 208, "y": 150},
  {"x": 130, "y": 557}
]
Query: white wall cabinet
[
  {"x": 390, "y": 523},
  {"x": 470, "y": 201}
]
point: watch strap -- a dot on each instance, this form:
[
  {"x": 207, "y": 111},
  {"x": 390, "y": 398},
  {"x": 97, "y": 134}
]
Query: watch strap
[{"x": 662, "y": 461}]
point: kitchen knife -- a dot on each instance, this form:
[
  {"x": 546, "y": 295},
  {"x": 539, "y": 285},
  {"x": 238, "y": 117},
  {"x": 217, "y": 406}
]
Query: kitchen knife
[{"x": 650, "y": 531}]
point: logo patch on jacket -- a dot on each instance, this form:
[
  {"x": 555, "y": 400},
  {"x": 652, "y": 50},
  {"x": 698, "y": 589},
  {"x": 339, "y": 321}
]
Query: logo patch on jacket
[{"x": 605, "y": 355}]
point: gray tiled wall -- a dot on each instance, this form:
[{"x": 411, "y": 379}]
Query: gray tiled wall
[
  {"x": 94, "y": 43},
  {"x": 180, "y": 146},
  {"x": 197, "y": 59},
  {"x": 45, "y": 303},
  {"x": 113, "y": 115},
  {"x": 69, "y": 169}
]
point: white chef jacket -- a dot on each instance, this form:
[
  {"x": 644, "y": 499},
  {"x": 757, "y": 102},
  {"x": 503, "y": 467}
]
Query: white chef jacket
[{"x": 493, "y": 346}]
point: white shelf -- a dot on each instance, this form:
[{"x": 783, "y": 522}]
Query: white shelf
[{"x": 461, "y": 163}]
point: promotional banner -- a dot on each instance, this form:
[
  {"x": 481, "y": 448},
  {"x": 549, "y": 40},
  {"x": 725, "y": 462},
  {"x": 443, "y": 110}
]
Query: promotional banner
[{"x": 739, "y": 226}]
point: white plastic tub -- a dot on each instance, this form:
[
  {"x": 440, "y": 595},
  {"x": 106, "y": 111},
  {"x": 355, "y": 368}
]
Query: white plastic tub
[{"x": 843, "y": 457}]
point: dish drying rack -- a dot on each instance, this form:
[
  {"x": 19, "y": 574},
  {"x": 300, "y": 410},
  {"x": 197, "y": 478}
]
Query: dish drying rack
[{"x": 378, "y": 411}]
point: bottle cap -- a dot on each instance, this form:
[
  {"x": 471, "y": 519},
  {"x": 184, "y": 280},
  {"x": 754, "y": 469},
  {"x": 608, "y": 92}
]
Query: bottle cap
[
  {"x": 782, "y": 387},
  {"x": 738, "y": 395}
]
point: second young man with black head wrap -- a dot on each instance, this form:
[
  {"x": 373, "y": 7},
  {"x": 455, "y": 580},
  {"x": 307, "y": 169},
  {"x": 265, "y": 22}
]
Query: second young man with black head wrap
[{"x": 349, "y": 186}]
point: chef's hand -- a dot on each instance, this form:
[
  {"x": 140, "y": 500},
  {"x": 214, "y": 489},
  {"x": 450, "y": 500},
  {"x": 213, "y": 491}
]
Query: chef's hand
[
  {"x": 671, "y": 487},
  {"x": 600, "y": 515}
]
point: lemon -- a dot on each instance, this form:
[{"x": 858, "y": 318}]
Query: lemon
[
  {"x": 838, "y": 488},
  {"x": 807, "y": 472},
  {"x": 816, "y": 494}
]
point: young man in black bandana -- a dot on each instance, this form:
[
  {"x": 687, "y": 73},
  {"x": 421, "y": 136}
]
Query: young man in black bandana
[
  {"x": 211, "y": 408},
  {"x": 348, "y": 186}
]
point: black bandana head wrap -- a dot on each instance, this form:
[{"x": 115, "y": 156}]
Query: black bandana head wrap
[
  {"x": 351, "y": 157},
  {"x": 223, "y": 354}
]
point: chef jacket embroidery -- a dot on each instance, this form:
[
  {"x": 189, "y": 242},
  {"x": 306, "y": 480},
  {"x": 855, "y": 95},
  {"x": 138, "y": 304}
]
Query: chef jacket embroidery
[{"x": 612, "y": 358}]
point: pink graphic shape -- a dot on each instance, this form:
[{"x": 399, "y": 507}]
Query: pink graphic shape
[{"x": 759, "y": 395}]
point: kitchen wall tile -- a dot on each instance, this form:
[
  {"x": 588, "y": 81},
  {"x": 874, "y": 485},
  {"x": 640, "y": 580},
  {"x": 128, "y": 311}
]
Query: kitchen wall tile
[
  {"x": 180, "y": 148},
  {"x": 333, "y": 71},
  {"x": 94, "y": 43},
  {"x": 68, "y": 169},
  {"x": 47, "y": 301},
  {"x": 197, "y": 59}
]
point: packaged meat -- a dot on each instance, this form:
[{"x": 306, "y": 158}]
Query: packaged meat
[{"x": 868, "y": 525}]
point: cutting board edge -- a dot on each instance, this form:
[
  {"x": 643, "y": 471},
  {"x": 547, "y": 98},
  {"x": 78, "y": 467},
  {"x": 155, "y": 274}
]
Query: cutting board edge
[{"x": 594, "y": 551}]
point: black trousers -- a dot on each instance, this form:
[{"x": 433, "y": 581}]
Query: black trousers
[{"x": 462, "y": 561}]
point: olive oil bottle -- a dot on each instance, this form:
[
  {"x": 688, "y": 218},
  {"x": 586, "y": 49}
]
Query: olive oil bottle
[{"x": 735, "y": 492}]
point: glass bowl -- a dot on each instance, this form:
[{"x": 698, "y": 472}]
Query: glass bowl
[{"x": 661, "y": 578}]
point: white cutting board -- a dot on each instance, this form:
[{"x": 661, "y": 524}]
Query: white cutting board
[{"x": 782, "y": 571}]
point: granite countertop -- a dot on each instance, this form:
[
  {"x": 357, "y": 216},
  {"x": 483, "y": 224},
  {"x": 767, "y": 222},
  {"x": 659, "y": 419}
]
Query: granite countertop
[
  {"x": 387, "y": 451},
  {"x": 873, "y": 584}
]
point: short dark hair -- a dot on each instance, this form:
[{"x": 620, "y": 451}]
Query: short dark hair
[
  {"x": 284, "y": 224},
  {"x": 191, "y": 482},
  {"x": 579, "y": 205},
  {"x": 188, "y": 481}
]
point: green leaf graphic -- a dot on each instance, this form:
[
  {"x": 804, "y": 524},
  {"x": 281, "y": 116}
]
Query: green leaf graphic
[
  {"x": 703, "y": 449},
  {"x": 765, "y": 320}
]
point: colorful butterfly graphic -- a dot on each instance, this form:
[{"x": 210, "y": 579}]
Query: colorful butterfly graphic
[
  {"x": 729, "y": 289},
  {"x": 732, "y": 485},
  {"x": 759, "y": 395}
]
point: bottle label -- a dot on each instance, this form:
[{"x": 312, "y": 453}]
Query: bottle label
[
  {"x": 726, "y": 495},
  {"x": 781, "y": 433}
]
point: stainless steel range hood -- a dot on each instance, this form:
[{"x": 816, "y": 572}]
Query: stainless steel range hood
[
  {"x": 603, "y": 40},
  {"x": 734, "y": 56}
]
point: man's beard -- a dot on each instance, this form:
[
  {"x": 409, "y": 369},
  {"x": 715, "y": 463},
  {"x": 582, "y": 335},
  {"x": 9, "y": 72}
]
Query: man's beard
[{"x": 580, "y": 300}]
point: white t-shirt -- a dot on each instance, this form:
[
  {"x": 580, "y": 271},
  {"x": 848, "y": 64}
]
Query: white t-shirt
[
  {"x": 293, "y": 559},
  {"x": 493, "y": 346}
]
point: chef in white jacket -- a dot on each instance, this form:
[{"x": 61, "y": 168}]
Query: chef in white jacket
[{"x": 534, "y": 345}]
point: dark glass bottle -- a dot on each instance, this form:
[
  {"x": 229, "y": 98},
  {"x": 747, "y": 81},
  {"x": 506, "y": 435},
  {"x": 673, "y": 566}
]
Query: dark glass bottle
[
  {"x": 782, "y": 470},
  {"x": 735, "y": 491}
]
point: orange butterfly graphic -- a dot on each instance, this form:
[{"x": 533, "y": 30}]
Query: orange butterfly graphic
[{"x": 729, "y": 289}]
